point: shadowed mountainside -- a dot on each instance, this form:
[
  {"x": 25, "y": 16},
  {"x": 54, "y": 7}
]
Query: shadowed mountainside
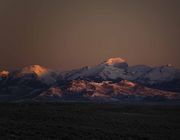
[{"x": 111, "y": 80}]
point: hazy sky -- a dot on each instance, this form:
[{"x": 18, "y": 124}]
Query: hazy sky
[{"x": 66, "y": 34}]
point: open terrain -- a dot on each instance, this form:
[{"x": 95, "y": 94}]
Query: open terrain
[{"x": 69, "y": 121}]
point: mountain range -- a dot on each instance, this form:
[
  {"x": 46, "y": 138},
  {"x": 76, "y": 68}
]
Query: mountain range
[{"x": 111, "y": 80}]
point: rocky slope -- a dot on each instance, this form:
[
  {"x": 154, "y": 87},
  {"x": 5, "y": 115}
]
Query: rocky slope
[
  {"x": 111, "y": 80},
  {"x": 115, "y": 69}
]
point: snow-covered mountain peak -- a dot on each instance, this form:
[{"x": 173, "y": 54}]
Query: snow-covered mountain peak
[
  {"x": 4, "y": 73},
  {"x": 37, "y": 69},
  {"x": 114, "y": 61},
  {"x": 169, "y": 65},
  {"x": 35, "y": 72}
]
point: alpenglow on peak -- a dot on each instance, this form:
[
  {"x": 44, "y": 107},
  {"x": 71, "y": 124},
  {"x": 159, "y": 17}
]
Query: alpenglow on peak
[
  {"x": 116, "y": 62},
  {"x": 37, "y": 69}
]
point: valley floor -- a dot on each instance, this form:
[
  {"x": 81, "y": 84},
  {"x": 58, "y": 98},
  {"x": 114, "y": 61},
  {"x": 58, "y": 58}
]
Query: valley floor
[{"x": 70, "y": 121}]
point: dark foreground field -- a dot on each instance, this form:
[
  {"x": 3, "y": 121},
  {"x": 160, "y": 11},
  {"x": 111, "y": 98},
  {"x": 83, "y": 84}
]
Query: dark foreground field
[{"x": 69, "y": 121}]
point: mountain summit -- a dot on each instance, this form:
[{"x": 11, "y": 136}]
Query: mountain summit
[
  {"x": 36, "y": 69},
  {"x": 4, "y": 73},
  {"x": 34, "y": 73},
  {"x": 116, "y": 62},
  {"x": 111, "y": 69},
  {"x": 162, "y": 77},
  {"x": 111, "y": 80}
]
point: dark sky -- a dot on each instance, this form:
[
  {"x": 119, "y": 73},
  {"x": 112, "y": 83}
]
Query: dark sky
[{"x": 66, "y": 34}]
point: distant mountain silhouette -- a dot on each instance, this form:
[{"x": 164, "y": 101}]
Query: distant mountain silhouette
[{"x": 111, "y": 80}]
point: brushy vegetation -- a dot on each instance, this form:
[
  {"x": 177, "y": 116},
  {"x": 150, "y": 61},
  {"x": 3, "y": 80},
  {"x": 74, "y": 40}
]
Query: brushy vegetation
[{"x": 70, "y": 121}]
